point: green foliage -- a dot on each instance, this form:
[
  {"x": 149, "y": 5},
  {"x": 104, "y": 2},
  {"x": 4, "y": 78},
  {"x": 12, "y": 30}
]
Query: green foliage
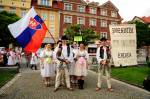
[
  {"x": 87, "y": 34},
  {"x": 5, "y": 36},
  {"x": 133, "y": 75},
  {"x": 6, "y": 75},
  {"x": 143, "y": 33}
]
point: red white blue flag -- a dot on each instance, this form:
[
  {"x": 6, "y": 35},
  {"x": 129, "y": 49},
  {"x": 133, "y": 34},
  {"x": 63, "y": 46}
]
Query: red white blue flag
[{"x": 29, "y": 31}]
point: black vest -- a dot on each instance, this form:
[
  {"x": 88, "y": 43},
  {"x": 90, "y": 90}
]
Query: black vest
[
  {"x": 102, "y": 52},
  {"x": 68, "y": 49}
]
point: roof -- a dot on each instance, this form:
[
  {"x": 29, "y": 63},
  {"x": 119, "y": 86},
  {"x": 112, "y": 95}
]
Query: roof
[
  {"x": 108, "y": 4},
  {"x": 146, "y": 19},
  {"x": 143, "y": 19}
]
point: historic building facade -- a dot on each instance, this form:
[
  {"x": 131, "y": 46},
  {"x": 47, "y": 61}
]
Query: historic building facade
[
  {"x": 89, "y": 15},
  {"x": 58, "y": 14},
  {"x": 47, "y": 10},
  {"x": 20, "y": 7}
]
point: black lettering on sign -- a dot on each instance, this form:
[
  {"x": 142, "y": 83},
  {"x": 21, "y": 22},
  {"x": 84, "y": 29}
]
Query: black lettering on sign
[
  {"x": 122, "y": 30},
  {"x": 124, "y": 55}
]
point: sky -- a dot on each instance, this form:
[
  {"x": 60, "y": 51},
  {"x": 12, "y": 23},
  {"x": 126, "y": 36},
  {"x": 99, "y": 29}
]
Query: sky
[{"x": 130, "y": 8}]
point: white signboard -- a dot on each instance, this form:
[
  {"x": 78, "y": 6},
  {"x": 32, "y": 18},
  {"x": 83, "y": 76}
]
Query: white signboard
[{"x": 123, "y": 44}]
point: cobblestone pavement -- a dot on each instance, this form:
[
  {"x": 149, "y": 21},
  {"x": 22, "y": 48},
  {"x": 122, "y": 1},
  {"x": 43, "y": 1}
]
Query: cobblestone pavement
[{"x": 30, "y": 86}]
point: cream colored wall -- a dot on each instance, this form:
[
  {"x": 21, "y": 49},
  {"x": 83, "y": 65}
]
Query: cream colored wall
[{"x": 50, "y": 23}]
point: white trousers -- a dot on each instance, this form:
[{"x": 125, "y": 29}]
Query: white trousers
[
  {"x": 100, "y": 76},
  {"x": 58, "y": 77}
]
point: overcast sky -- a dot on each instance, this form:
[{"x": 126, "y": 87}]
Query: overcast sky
[{"x": 130, "y": 8}]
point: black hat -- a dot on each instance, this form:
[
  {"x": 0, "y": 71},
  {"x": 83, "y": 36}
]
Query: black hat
[
  {"x": 64, "y": 37},
  {"x": 103, "y": 39}
]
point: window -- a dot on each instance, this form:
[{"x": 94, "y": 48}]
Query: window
[
  {"x": 80, "y": 20},
  {"x": 93, "y": 22},
  {"x": 113, "y": 14},
  {"x": 103, "y": 12},
  {"x": 52, "y": 30},
  {"x": 12, "y": 10},
  {"x": 113, "y": 22},
  {"x": 44, "y": 16},
  {"x": 45, "y": 2},
  {"x": 103, "y": 23},
  {"x": 1, "y": 8},
  {"x": 81, "y": 8},
  {"x": 68, "y": 6},
  {"x": 93, "y": 10},
  {"x": 52, "y": 17},
  {"x": 103, "y": 34},
  {"x": 23, "y": 12},
  {"x": 68, "y": 19}
]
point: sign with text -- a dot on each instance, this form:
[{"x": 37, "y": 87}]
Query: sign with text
[
  {"x": 123, "y": 44},
  {"x": 77, "y": 38}
]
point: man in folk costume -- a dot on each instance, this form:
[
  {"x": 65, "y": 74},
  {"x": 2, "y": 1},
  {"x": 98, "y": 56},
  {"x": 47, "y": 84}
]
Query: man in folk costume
[
  {"x": 64, "y": 58},
  {"x": 103, "y": 57}
]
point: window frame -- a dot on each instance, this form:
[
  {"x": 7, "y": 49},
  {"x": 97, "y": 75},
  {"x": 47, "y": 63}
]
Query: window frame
[
  {"x": 104, "y": 12},
  {"x": 93, "y": 10},
  {"x": 81, "y": 22},
  {"x": 104, "y": 23},
  {"x": 103, "y": 34},
  {"x": 66, "y": 20},
  {"x": 79, "y": 8},
  {"x": 92, "y": 23},
  {"x": 66, "y": 7}
]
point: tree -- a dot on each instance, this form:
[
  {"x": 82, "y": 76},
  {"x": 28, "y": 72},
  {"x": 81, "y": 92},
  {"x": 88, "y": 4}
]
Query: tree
[
  {"x": 87, "y": 34},
  {"x": 5, "y": 36},
  {"x": 143, "y": 34}
]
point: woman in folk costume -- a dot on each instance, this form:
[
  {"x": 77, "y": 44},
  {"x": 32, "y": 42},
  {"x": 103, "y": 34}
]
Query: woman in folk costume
[
  {"x": 11, "y": 57},
  {"x": 103, "y": 56},
  {"x": 82, "y": 57},
  {"x": 34, "y": 61},
  {"x": 41, "y": 60},
  {"x": 18, "y": 56},
  {"x": 72, "y": 67},
  {"x": 64, "y": 58},
  {"x": 48, "y": 69}
]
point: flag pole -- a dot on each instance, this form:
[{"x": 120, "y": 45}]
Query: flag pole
[
  {"x": 51, "y": 35},
  {"x": 48, "y": 30}
]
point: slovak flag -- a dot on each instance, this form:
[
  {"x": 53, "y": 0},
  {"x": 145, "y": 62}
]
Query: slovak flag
[{"x": 29, "y": 31}]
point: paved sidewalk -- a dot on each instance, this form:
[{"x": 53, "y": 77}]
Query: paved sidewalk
[{"x": 30, "y": 86}]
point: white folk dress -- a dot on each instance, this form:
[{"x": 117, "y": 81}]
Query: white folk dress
[
  {"x": 81, "y": 64},
  {"x": 12, "y": 58},
  {"x": 48, "y": 69},
  {"x": 34, "y": 59},
  {"x": 72, "y": 67}
]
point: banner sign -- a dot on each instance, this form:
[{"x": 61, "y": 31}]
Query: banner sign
[
  {"x": 77, "y": 38},
  {"x": 123, "y": 44}
]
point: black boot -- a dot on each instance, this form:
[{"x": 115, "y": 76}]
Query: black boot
[
  {"x": 82, "y": 83},
  {"x": 79, "y": 84}
]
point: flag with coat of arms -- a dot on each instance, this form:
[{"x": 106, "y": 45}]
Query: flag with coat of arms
[{"x": 29, "y": 31}]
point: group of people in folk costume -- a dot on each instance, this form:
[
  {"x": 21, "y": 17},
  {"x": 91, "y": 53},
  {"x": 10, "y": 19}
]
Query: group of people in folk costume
[
  {"x": 69, "y": 64},
  {"x": 11, "y": 57}
]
